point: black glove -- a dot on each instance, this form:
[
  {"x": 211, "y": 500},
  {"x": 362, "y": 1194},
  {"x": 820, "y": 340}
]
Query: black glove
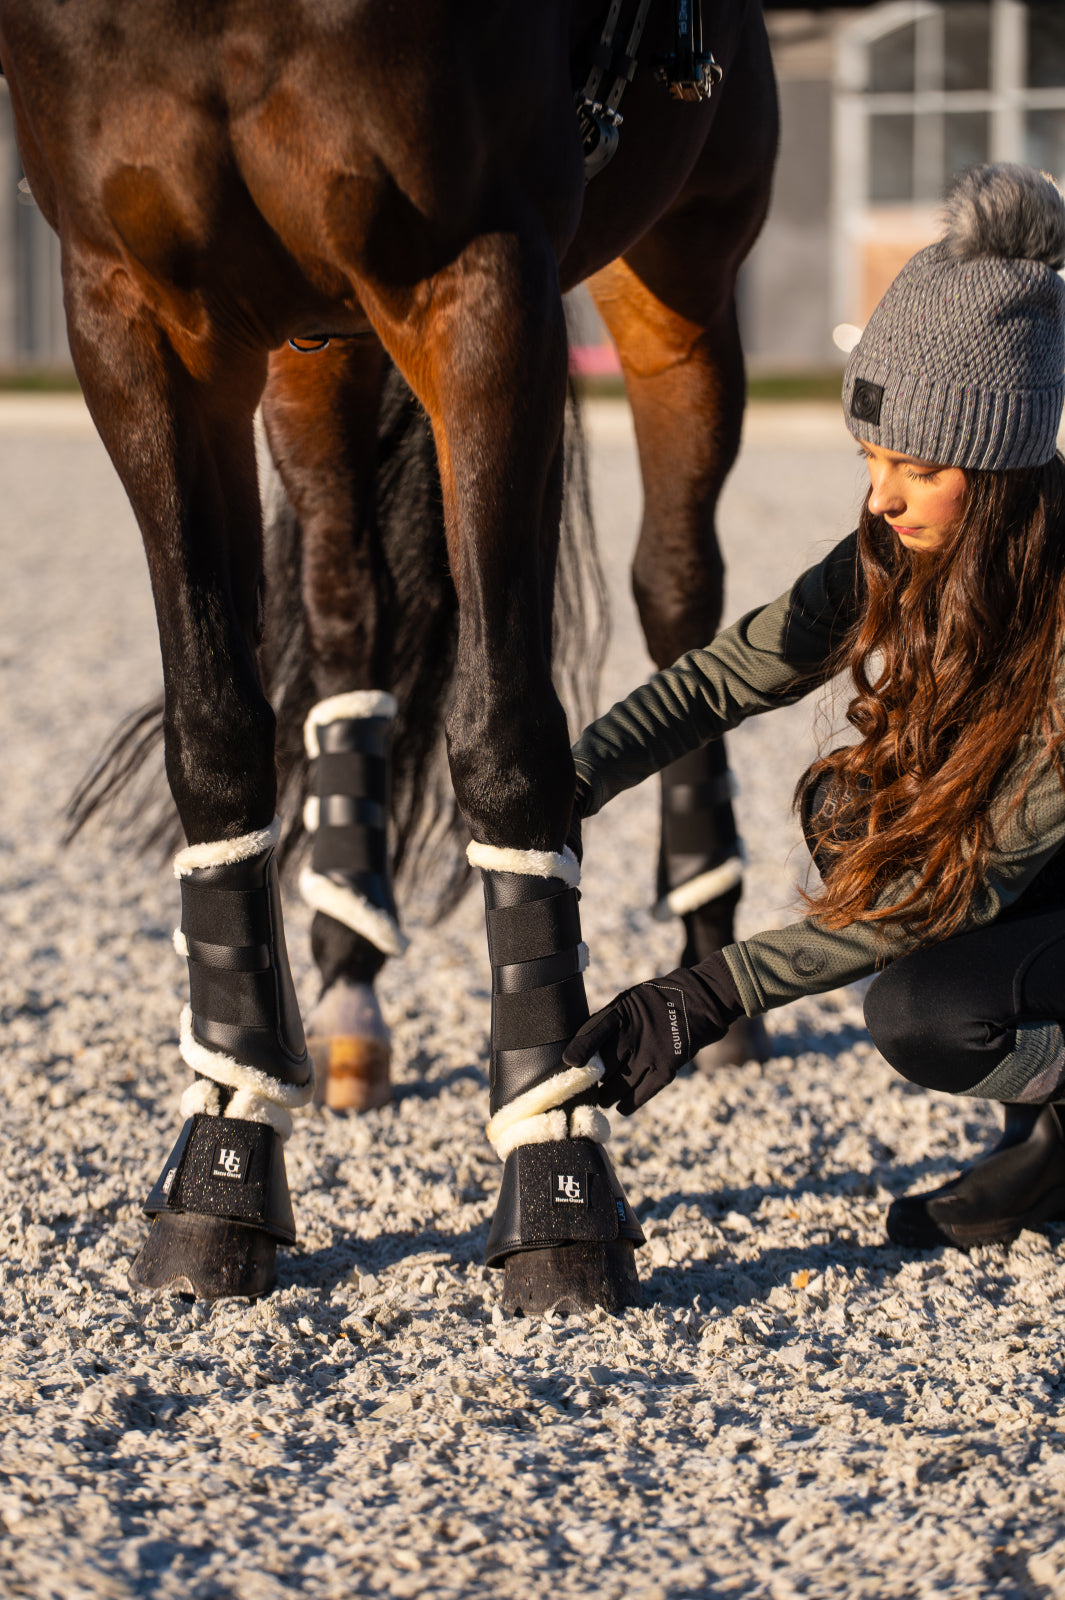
[
  {"x": 645, "y": 1034},
  {"x": 580, "y": 800}
]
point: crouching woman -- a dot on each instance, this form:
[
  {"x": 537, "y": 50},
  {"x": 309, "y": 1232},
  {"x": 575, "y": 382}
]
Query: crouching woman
[{"x": 940, "y": 833}]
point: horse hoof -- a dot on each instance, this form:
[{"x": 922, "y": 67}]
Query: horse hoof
[
  {"x": 351, "y": 1074},
  {"x": 352, "y": 1049},
  {"x": 571, "y": 1278},
  {"x": 745, "y": 1041},
  {"x": 206, "y": 1257}
]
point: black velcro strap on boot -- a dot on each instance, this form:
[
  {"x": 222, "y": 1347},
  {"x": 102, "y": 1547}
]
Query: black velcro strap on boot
[
  {"x": 241, "y": 999},
  {"x": 350, "y": 779},
  {"x": 534, "y": 929},
  {"x": 562, "y": 1192},
  {"x": 538, "y": 999},
  {"x": 354, "y": 773},
  {"x": 227, "y": 1167},
  {"x": 539, "y": 1016},
  {"x": 234, "y": 917},
  {"x": 350, "y": 850}
]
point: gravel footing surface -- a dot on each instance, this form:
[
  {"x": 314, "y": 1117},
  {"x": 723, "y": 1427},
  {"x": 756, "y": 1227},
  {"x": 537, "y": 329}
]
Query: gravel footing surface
[{"x": 798, "y": 1409}]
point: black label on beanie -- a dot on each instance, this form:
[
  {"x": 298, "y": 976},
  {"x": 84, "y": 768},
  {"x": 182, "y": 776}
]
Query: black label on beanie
[{"x": 866, "y": 401}]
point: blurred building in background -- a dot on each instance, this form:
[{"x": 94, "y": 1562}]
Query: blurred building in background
[{"x": 880, "y": 105}]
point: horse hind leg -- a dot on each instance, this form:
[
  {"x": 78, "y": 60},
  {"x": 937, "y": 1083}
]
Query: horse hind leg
[
  {"x": 348, "y": 883},
  {"x": 321, "y": 417}
]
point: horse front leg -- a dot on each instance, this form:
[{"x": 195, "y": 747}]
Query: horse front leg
[
  {"x": 321, "y": 416},
  {"x": 184, "y": 450},
  {"x": 489, "y": 363}
]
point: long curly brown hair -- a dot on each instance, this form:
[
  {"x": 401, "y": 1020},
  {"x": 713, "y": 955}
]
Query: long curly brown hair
[{"x": 954, "y": 659}]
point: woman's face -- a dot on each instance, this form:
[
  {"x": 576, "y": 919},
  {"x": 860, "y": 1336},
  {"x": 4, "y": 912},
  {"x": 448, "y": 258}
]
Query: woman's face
[{"x": 918, "y": 500}]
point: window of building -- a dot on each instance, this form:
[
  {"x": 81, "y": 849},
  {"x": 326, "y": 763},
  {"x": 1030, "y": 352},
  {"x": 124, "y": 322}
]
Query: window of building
[{"x": 925, "y": 90}]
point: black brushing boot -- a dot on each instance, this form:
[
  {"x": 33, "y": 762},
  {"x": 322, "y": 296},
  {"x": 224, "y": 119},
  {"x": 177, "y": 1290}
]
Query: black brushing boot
[
  {"x": 221, "y": 1203},
  {"x": 1019, "y": 1184},
  {"x": 563, "y": 1232},
  {"x": 700, "y": 878},
  {"x": 348, "y": 881}
]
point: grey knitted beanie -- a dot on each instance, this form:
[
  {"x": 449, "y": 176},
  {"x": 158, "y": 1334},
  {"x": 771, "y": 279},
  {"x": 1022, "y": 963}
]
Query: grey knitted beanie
[{"x": 963, "y": 361}]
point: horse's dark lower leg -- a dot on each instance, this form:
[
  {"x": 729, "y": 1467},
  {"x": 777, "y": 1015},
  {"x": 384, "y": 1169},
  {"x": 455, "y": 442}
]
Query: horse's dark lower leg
[
  {"x": 495, "y": 392},
  {"x": 185, "y": 454},
  {"x": 321, "y": 415}
]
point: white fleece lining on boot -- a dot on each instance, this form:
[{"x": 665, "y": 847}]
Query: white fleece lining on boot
[
  {"x": 588, "y": 1122},
  {"x": 546, "y": 1096},
  {"x": 224, "y": 852},
  {"x": 354, "y": 911},
  {"x": 234, "y": 1074},
  {"x": 701, "y": 890},
  {"x": 526, "y": 863},
  {"x": 359, "y": 703},
  {"x": 201, "y": 1098},
  {"x": 547, "y": 1128}
]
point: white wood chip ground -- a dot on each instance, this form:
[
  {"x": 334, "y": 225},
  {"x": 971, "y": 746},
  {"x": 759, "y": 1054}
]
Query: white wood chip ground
[{"x": 798, "y": 1409}]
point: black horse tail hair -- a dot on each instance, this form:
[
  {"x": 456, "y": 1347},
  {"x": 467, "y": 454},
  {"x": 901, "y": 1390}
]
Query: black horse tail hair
[{"x": 428, "y": 835}]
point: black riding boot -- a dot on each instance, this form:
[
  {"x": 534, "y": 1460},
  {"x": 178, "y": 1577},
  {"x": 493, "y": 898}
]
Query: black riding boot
[{"x": 1019, "y": 1184}]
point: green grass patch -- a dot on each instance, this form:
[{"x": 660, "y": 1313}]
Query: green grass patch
[{"x": 30, "y": 380}]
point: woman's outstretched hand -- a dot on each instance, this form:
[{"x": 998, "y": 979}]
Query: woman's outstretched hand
[{"x": 646, "y": 1033}]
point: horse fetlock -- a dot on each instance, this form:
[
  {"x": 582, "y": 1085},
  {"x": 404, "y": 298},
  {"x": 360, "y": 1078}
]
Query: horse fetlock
[
  {"x": 347, "y": 739},
  {"x": 352, "y": 1050},
  {"x": 558, "y": 1187}
]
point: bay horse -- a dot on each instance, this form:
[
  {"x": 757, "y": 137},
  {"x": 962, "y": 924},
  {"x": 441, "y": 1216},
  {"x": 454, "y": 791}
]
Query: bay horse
[{"x": 231, "y": 175}]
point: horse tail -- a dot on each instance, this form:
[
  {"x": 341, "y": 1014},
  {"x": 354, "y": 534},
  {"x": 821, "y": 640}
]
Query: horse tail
[{"x": 428, "y": 834}]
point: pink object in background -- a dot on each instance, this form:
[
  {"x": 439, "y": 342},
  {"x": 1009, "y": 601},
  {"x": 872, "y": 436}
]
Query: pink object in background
[{"x": 594, "y": 360}]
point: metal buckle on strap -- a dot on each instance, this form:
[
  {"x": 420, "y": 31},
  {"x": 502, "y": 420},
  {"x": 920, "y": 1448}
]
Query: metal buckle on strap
[
  {"x": 691, "y": 71},
  {"x": 613, "y": 65}
]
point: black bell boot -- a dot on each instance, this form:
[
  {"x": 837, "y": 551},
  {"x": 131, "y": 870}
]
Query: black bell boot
[
  {"x": 221, "y": 1203},
  {"x": 1019, "y": 1184},
  {"x": 563, "y": 1231}
]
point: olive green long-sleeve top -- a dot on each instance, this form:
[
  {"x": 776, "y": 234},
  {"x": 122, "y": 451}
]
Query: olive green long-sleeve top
[{"x": 771, "y": 657}]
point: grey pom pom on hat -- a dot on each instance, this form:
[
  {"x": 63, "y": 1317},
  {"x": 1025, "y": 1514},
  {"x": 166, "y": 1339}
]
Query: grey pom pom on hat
[{"x": 963, "y": 361}]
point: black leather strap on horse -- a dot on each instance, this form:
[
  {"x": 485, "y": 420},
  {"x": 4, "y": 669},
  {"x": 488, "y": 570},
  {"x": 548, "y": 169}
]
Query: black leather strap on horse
[
  {"x": 612, "y": 63},
  {"x": 691, "y": 72}
]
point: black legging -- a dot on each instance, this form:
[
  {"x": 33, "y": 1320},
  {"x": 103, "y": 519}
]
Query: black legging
[{"x": 946, "y": 1016}]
